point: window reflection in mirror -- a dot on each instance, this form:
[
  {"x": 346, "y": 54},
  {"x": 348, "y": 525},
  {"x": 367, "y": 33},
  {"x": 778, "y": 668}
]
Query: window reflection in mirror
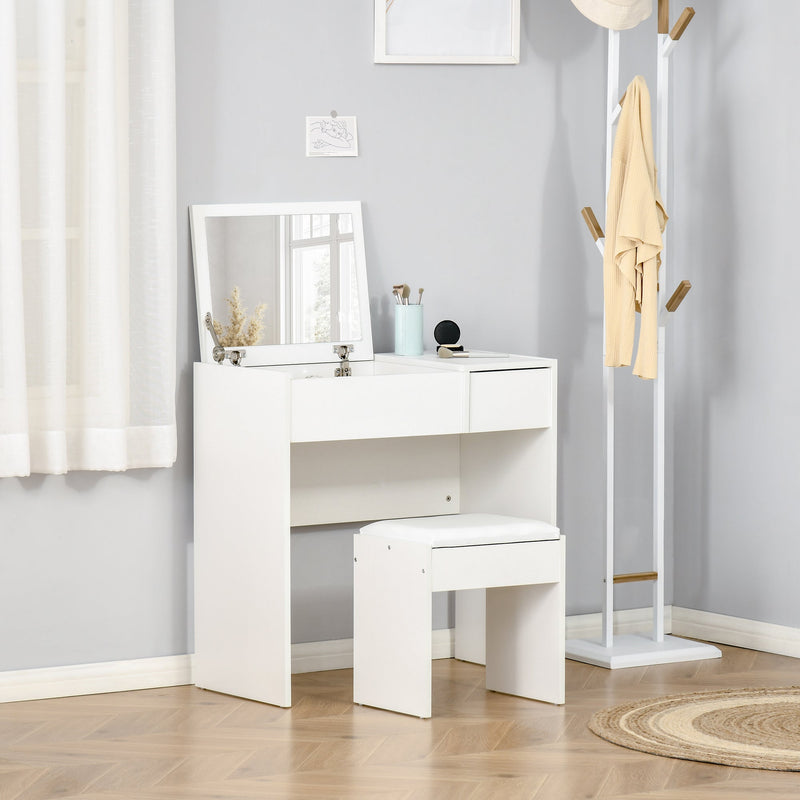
[{"x": 300, "y": 267}]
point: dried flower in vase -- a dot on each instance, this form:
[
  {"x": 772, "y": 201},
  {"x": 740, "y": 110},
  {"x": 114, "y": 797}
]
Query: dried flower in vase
[{"x": 239, "y": 332}]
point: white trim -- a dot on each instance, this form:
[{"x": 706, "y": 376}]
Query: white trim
[
  {"x": 634, "y": 620},
  {"x": 338, "y": 653},
  {"x": 765, "y": 636},
  {"x": 152, "y": 673},
  {"x": 318, "y": 656},
  {"x": 108, "y": 676}
]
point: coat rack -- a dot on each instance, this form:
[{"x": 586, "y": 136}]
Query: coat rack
[{"x": 631, "y": 650}]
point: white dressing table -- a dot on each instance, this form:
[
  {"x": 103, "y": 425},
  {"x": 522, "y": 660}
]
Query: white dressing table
[
  {"x": 281, "y": 442},
  {"x": 284, "y": 446}
]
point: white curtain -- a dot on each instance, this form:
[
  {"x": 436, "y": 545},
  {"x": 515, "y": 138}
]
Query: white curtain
[{"x": 87, "y": 235}]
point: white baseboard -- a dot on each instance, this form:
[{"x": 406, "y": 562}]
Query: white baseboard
[
  {"x": 109, "y": 676},
  {"x": 338, "y": 654},
  {"x": 779, "y": 639},
  {"x": 703, "y": 625},
  {"x": 151, "y": 673},
  {"x": 633, "y": 620}
]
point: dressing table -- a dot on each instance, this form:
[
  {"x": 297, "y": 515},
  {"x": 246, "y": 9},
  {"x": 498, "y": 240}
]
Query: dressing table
[{"x": 283, "y": 443}]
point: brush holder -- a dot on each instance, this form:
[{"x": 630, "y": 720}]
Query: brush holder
[{"x": 408, "y": 330}]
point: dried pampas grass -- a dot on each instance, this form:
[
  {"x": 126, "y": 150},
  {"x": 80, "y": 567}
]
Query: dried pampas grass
[{"x": 239, "y": 332}]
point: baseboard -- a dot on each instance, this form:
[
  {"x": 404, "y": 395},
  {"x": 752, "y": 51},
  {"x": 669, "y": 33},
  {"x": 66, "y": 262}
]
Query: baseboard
[
  {"x": 721, "y": 629},
  {"x": 704, "y": 625},
  {"x": 151, "y": 673},
  {"x": 632, "y": 620},
  {"x": 108, "y": 676},
  {"x": 338, "y": 654}
]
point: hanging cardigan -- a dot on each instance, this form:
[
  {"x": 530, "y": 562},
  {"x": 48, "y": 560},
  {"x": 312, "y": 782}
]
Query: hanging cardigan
[{"x": 635, "y": 220}]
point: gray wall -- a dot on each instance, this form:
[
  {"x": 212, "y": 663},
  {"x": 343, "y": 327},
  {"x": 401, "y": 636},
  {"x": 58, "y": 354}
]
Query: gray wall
[
  {"x": 737, "y": 415},
  {"x": 94, "y": 566},
  {"x": 471, "y": 179}
]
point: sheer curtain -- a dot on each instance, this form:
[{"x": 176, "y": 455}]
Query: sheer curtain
[{"x": 87, "y": 235}]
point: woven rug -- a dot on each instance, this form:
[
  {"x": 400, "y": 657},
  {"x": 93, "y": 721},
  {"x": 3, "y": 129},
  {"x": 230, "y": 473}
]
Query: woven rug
[{"x": 755, "y": 728}]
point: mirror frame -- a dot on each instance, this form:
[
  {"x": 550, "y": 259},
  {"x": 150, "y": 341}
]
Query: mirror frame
[{"x": 276, "y": 354}]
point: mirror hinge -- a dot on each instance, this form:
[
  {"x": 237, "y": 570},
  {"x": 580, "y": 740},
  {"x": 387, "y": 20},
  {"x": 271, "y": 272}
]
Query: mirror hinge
[
  {"x": 343, "y": 351},
  {"x": 220, "y": 353}
]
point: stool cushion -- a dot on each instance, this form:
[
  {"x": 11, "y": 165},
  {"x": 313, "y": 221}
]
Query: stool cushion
[{"x": 463, "y": 530}]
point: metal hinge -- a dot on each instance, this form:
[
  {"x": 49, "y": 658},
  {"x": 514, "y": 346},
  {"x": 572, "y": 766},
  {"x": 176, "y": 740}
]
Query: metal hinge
[
  {"x": 343, "y": 351},
  {"x": 220, "y": 353}
]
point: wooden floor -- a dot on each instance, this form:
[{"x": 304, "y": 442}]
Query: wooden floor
[{"x": 183, "y": 742}]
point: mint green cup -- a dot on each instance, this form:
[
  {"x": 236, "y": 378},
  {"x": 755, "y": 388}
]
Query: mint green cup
[{"x": 408, "y": 330}]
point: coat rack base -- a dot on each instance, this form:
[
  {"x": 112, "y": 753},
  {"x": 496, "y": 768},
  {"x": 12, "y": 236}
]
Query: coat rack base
[{"x": 638, "y": 650}]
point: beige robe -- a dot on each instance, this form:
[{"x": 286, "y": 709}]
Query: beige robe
[{"x": 635, "y": 220}]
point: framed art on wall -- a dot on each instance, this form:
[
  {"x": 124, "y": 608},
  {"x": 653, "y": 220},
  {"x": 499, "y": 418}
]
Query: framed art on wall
[{"x": 447, "y": 31}]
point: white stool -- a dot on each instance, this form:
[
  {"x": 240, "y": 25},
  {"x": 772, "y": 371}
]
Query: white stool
[{"x": 400, "y": 563}]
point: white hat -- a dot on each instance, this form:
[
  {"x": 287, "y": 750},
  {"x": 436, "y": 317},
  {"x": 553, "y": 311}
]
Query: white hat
[{"x": 619, "y": 15}]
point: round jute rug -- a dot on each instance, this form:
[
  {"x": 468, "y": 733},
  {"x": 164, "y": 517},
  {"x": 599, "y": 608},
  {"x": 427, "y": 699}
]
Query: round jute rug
[{"x": 755, "y": 728}]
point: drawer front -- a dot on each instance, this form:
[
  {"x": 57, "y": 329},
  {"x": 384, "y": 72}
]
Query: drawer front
[
  {"x": 379, "y": 406},
  {"x": 486, "y": 566},
  {"x": 510, "y": 400}
]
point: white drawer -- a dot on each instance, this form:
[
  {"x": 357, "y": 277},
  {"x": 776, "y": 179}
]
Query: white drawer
[
  {"x": 377, "y": 406},
  {"x": 510, "y": 400},
  {"x": 485, "y": 566}
]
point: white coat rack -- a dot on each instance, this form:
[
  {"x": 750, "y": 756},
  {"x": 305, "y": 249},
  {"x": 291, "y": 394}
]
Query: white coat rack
[{"x": 631, "y": 650}]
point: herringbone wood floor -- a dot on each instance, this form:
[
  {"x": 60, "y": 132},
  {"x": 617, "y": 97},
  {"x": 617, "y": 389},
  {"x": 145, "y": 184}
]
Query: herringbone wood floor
[{"x": 183, "y": 742}]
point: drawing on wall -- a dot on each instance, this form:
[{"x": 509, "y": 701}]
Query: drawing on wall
[
  {"x": 447, "y": 31},
  {"x": 331, "y": 136}
]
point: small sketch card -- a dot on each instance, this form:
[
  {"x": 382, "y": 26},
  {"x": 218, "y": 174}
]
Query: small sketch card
[{"x": 331, "y": 136}]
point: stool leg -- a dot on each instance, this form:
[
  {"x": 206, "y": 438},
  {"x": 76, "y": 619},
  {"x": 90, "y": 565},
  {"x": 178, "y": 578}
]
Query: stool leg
[
  {"x": 525, "y": 632},
  {"x": 471, "y": 625},
  {"x": 392, "y": 625}
]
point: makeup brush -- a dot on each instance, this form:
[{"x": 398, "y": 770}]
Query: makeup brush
[
  {"x": 396, "y": 291},
  {"x": 419, "y": 301},
  {"x": 406, "y": 293}
]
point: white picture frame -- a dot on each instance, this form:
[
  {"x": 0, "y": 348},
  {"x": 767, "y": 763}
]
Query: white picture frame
[{"x": 447, "y": 31}]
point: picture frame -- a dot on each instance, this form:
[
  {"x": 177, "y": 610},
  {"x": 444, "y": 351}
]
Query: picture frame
[{"x": 447, "y": 31}]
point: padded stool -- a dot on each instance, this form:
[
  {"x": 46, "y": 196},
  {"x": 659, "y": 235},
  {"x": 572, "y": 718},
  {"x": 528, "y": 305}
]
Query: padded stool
[{"x": 400, "y": 563}]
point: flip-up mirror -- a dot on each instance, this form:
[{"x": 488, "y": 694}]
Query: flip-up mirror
[{"x": 283, "y": 281}]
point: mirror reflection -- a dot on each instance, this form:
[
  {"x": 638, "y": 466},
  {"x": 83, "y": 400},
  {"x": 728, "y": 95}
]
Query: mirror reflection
[{"x": 283, "y": 279}]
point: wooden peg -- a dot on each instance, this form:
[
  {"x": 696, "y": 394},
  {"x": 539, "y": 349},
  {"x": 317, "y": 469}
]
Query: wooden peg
[
  {"x": 680, "y": 26},
  {"x": 633, "y": 577},
  {"x": 678, "y": 295},
  {"x": 591, "y": 223},
  {"x": 663, "y": 16}
]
